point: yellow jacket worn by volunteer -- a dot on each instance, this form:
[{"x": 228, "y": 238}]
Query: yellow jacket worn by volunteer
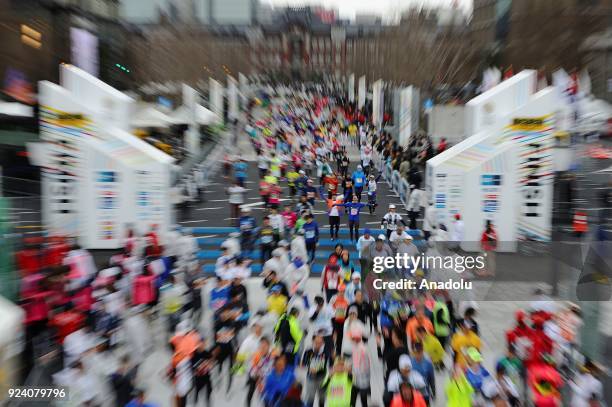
[
  {"x": 294, "y": 330},
  {"x": 339, "y": 386},
  {"x": 441, "y": 319},
  {"x": 277, "y": 304},
  {"x": 459, "y": 392},
  {"x": 292, "y": 176},
  {"x": 275, "y": 165},
  {"x": 271, "y": 179},
  {"x": 433, "y": 348},
  {"x": 461, "y": 341}
]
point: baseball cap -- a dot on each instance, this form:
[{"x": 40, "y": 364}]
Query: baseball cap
[
  {"x": 391, "y": 206},
  {"x": 356, "y": 274},
  {"x": 404, "y": 362},
  {"x": 474, "y": 354},
  {"x": 381, "y": 237},
  {"x": 367, "y": 231},
  {"x": 275, "y": 289}
]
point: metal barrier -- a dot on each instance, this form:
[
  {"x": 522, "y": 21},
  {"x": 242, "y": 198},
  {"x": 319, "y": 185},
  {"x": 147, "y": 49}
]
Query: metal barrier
[
  {"x": 395, "y": 181},
  {"x": 387, "y": 173},
  {"x": 404, "y": 192},
  {"x": 398, "y": 184}
]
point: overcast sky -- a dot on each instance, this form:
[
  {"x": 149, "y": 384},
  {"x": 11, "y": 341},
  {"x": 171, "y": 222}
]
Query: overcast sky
[{"x": 386, "y": 8}]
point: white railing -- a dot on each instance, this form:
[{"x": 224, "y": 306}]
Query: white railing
[{"x": 393, "y": 178}]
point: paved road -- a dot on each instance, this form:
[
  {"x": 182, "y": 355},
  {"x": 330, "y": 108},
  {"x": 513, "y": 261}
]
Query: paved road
[{"x": 210, "y": 219}]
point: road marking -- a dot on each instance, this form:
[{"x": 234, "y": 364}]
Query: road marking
[
  {"x": 194, "y": 221},
  {"x": 206, "y": 236},
  {"x": 208, "y": 209},
  {"x": 231, "y": 218},
  {"x": 252, "y": 205},
  {"x": 218, "y": 200}
]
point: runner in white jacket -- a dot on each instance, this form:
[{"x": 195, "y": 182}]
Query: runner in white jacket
[
  {"x": 298, "y": 246},
  {"x": 296, "y": 275}
]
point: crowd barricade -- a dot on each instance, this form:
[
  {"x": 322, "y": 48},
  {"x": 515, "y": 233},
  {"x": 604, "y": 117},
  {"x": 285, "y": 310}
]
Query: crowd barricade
[
  {"x": 404, "y": 192},
  {"x": 395, "y": 181},
  {"x": 378, "y": 162},
  {"x": 387, "y": 173}
]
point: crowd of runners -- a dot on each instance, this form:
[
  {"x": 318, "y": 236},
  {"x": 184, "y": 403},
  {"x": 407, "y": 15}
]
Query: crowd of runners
[{"x": 306, "y": 346}]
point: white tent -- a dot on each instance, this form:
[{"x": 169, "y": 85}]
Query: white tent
[
  {"x": 181, "y": 115},
  {"x": 11, "y": 333},
  {"x": 203, "y": 115},
  {"x": 147, "y": 115},
  {"x": 16, "y": 109}
]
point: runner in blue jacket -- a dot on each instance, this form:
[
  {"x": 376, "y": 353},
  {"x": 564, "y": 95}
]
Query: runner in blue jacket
[
  {"x": 359, "y": 180},
  {"x": 354, "y": 208},
  {"x": 311, "y": 236}
]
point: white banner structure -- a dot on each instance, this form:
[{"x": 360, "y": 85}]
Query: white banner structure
[
  {"x": 192, "y": 135},
  {"x": 232, "y": 98},
  {"x": 408, "y": 114},
  {"x": 503, "y": 171},
  {"x": 377, "y": 103},
  {"x": 351, "y": 87},
  {"x": 215, "y": 96},
  {"x": 361, "y": 96},
  {"x": 99, "y": 178}
]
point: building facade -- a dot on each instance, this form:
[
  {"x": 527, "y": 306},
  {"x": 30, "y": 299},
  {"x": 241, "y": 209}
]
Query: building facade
[
  {"x": 598, "y": 60},
  {"x": 37, "y": 36}
]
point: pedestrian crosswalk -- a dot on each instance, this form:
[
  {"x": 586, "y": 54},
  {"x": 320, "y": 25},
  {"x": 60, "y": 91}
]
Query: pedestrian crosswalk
[{"x": 209, "y": 240}]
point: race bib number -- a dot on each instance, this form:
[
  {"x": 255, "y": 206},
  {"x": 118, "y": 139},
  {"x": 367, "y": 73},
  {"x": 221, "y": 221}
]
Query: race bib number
[
  {"x": 266, "y": 239},
  {"x": 310, "y": 194},
  {"x": 337, "y": 391},
  {"x": 332, "y": 283},
  {"x": 359, "y": 180},
  {"x": 309, "y": 234},
  {"x": 354, "y": 211}
]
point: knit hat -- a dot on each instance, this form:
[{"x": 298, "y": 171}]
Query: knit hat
[{"x": 404, "y": 362}]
